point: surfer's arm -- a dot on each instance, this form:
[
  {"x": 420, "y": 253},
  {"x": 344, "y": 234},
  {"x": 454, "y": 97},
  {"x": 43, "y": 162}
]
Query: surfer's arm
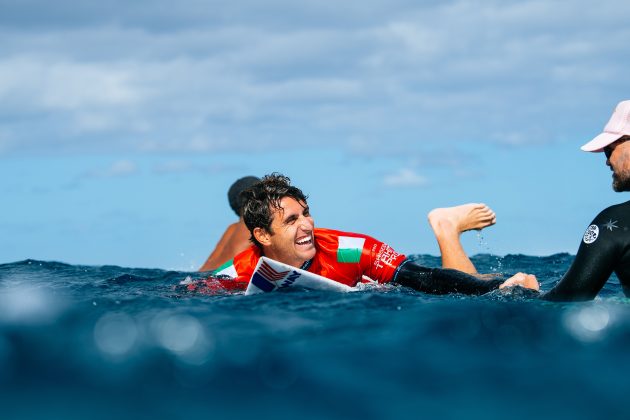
[
  {"x": 234, "y": 240},
  {"x": 590, "y": 270},
  {"x": 599, "y": 252},
  {"x": 217, "y": 256},
  {"x": 441, "y": 281}
]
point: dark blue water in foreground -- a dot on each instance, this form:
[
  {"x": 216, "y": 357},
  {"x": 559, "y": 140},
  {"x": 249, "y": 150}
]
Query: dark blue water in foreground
[{"x": 80, "y": 342}]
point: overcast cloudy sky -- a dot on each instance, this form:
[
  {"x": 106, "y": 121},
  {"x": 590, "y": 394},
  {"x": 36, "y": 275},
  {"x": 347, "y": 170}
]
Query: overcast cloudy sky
[{"x": 122, "y": 124}]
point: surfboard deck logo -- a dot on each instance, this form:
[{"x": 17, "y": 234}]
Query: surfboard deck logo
[{"x": 270, "y": 275}]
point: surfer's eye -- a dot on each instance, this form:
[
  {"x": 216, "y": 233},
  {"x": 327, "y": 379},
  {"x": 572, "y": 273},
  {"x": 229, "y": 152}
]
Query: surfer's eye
[{"x": 608, "y": 151}]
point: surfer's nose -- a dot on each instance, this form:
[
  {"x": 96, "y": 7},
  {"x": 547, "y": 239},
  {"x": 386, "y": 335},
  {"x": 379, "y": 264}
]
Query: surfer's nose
[{"x": 306, "y": 222}]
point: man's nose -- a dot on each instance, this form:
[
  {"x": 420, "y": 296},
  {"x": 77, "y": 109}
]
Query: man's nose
[{"x": 306, "y": 222}]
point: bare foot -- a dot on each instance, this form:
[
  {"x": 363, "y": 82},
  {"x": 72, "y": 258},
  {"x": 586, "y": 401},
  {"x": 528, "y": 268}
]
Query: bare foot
[{"x": 461, "y": 218}]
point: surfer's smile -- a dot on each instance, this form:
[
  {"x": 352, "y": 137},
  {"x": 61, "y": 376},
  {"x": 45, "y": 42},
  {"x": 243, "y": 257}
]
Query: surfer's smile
[{"x": 307, "y": 240}]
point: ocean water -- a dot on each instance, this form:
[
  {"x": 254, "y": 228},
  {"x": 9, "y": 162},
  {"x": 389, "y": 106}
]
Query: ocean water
[{"x": 83, "y": 342}]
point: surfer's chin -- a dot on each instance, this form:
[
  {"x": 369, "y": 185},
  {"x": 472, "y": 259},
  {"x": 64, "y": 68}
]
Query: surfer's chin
[
  {"x": 621, "y": 182},
  {"x": 306, "y": 252}
]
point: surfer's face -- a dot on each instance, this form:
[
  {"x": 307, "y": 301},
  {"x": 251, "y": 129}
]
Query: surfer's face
[
  {"x": 291, "y": 238},
  {"x": 618, "y": 158}
]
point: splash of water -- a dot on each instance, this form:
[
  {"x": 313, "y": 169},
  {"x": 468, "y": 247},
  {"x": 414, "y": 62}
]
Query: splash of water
[{"x": 485, "y": 247}]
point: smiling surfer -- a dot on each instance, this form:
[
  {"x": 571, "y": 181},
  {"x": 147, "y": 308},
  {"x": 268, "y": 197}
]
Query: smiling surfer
[{"x": 278, "y": 218}]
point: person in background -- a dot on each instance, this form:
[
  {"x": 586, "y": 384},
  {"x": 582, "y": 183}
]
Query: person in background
[
  {"x": 235, "y": 239},
  {"x": 605, "y": 246}
]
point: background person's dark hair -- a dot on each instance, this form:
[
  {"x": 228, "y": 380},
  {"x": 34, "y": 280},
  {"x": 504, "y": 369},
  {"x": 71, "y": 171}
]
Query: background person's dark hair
[
  {"x": 263, "y": 198},
  {"x": 234, "y": 193}
]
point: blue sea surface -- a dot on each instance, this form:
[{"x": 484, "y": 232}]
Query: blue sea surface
[{"x": 84, "y": 342}]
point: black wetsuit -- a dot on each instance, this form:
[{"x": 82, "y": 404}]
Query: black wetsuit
[
  {"x": 441, "y": 281},
  {"x": 605, "y": 248}
]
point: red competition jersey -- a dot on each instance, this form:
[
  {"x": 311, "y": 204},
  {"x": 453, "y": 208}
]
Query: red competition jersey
[{"x": 341, "y": 256}]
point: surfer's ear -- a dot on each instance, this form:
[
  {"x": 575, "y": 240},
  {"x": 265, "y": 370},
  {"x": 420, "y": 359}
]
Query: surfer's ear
[{"x": 262, "y": 236}]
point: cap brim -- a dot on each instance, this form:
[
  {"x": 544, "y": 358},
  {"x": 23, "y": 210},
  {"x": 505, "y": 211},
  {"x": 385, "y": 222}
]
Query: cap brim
[{"x": 601, "y": 141}]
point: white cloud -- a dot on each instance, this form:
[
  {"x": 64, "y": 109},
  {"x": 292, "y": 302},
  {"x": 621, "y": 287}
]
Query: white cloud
[
  {"x": 405, "y": 177},
  {"x": 77, "y": 85},
  {"x": 186, "y": 166},
  {"x": 174, "y": 166},
  {"x": 55, "y": 84},
  {"x": 226, "y": 78},
  {"x": 195, "y": 145},
  {"x": 119, "y": 168}
]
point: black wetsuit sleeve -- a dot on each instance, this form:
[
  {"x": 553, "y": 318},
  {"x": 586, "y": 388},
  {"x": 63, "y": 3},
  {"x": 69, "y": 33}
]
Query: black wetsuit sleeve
[
  {"x": 602, "y": 251},
  {"x": 440, "y": 281}
]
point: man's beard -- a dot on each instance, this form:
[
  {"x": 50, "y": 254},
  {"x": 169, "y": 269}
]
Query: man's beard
[{"x": 621, "y": 181}]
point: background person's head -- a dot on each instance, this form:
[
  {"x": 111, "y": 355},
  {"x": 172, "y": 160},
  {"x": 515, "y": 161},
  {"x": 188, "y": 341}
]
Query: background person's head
[
  {"x": 618, "y": 126},
  {"x": 263, "y": 202},
  {"x": 234, "y": 193},
  {"x": 613, "y": 141},
  {"x": 618, "y": 159}
]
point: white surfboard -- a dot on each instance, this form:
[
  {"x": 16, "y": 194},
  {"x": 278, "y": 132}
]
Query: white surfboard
[{"x": 271, "y": 275}]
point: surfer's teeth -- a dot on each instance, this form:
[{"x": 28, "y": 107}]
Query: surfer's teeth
[{"x": 304, "y": 241}]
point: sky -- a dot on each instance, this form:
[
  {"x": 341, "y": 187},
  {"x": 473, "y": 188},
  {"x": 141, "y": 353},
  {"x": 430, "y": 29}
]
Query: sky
[{"x": 123, "y": 124}]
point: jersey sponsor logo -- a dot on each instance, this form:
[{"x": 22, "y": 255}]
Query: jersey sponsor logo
[
  {"x": 386, "y": 256},
  {"x": 591, "y": 234}
]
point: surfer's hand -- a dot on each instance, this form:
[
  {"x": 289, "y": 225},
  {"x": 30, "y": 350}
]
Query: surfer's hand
[{"x": 521, "y": 279}]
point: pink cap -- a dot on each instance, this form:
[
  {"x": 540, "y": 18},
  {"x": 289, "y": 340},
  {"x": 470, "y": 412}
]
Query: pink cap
[{"x": 617, "y": 127}]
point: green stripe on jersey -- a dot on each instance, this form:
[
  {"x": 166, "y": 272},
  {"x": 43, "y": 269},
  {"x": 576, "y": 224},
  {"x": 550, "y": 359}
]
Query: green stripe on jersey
[
  {"x": 349, "y": 250},
  {"x": 226, "y": 269}
]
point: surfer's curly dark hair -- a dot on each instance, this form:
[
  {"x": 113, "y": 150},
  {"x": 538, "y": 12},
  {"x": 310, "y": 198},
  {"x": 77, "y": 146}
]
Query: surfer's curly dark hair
[{"x": 262, "y": 199}]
